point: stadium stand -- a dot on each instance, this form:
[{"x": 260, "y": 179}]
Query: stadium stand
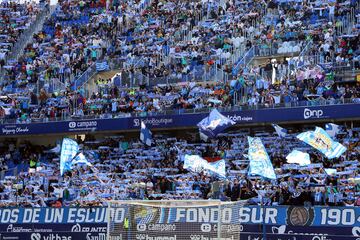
[
  {"x": 79, "y": 79},
  {"x": 130, "y": 171},
  {"x": 178, "y": 55}
]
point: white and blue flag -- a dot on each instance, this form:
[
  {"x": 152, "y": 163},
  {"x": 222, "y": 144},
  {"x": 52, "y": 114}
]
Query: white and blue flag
[
  {"x": 102, "y": 66},
  {"x": 332, "y": 129},
  {"x": 320, "y": 140},
  {"x": 214, "y": 124},
  {"x": 330, "y": 171},
  {"x": 145, "y": 134},
  {"x": 260, "y": 163},
  {"x": 298, "y": 157},
  {"x": 198, "y": 164},
  {"x": 279, "y": 130},
  {"x": 70, "y": 155}
]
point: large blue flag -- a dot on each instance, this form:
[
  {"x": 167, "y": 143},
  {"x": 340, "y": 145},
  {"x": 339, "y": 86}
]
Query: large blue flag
[
  {"x": 145, "y": 134},
  {"x": 70, "y": 155},
  {"x": 214, "y": 124},
  {"x": 260, "y": 163},
  {"x": 198, "y": 164},
  {"x": 320, "y": 140}
]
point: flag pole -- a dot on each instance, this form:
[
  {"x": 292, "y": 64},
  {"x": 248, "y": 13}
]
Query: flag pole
[{"x": 94, "y": 169}]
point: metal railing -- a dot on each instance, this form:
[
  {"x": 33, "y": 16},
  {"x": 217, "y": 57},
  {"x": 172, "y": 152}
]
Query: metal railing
[
  {"x": 245, "y": 60},
  {"x": 268, "y": 49},
  {"x": 206, "y": 74},
  {"x": 66, "y": 117},
  {"x": 336, "y": 67},
  {"x": 346, "y": 24},
  {"x": 25, "y": 37},
  {"x": 84, "y": 78}
]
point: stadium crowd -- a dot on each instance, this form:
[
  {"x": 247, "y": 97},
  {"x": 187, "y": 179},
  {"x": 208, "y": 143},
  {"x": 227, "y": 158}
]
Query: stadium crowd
[
  {"x": 125, "y": 169},
  {"x": 180, "y": 38},
  {"x": 15, "y": 18},
  {"x": 113, "y": 102}
]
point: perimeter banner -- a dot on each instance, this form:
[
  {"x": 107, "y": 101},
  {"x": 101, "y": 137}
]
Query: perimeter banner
[
  {"x": 269, "y": 115},
  {"x": 193, "y": 223},
  {"x": 233, "y": 214}
]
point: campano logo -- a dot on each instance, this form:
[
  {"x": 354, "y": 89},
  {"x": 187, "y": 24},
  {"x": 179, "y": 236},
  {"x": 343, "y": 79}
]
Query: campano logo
[
  {"x": 205, "y": 227},
  {"x": 35, "y": 236},
  {"x": 72, "y": 124},
  {"x": 308, "y": 113},
  {"x": 76, "y": 228},
  {"x": 141, "y": 227}
]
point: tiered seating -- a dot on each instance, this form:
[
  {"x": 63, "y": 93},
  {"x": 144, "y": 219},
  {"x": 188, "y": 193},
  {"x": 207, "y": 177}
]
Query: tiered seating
[{"x": 129, "y": 171}]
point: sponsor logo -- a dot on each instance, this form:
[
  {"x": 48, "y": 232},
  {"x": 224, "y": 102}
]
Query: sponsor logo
[
  {"x": 147, "y": 237},
  {"x": 308, "y": 113},
  {"x": 35, "y": 236},
  {"x": 12, "y": 130},
  {"x": 205, "y": 227},
  {"x": 355, "y": 231},
  {"x": 136, "y": 122},
  {"x": 202, "y": 237},
  {"x": 38, "y": 236},
  {"x": 76, "y": 228},
  {"x": 162, "y": 227},
  {"x": 321, "y": 238},
  {"x": 300, "y": 216},
  {"x": 141, "y": 227},
  {"x": 12, "y": 228},
  {"x": 237, "y": 118},
  {"x": 279, "y": 230},
  {"x": 99, "y": 236},
  {"x": 153, "y": 121},
  {"x": 87, "y": 125}
]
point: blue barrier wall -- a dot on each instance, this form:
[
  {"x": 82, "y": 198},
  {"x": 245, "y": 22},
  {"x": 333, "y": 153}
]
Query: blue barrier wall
[
  {"x": 281, "y": 223},
  {"x": 271, "y": 115}
]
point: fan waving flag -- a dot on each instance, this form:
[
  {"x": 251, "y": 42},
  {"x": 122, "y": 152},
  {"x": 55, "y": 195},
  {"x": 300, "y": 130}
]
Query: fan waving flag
[
  {"x": 298, "y": 157},
  {"x": 198, "y": 164},
  {"x": 70, "y": 155},
  {"x": 332, "y": 129},
  {"x": 213, "y": 124},
  {"x": 260, "y": 163},
  {"x": 279, "y": 130},
  {"x": 145, "y": 134},
  {"x": 320, "y": 140}
]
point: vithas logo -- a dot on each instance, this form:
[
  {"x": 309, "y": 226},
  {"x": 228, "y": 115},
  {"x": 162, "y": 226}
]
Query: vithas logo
[
  {"x": 38, "y": 236},
  {"x": 35, "y": 236}
]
